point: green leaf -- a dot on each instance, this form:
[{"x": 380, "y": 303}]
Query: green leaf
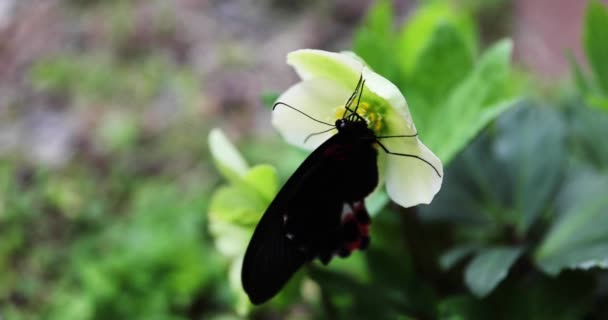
[
  {"x": 263, "y": 178},
  {"x": 353, "y": 299},
  {"x": 461, "y": 307},
  {"x": 374, "y": 41},
  {"x": 376, "y": 201},
  {"x": 480, "y": 98},
  {"x": 568, "y": 297},
  {"x": 596, "y": 42},
  {"x": 489, "y": 268},
  {"x": 522, "y": 135},
  {"x": 237, "y": 206},
  {"x": 452, "y": 256},
  {"x": 578, "y": 239},
  {"x": 500, "y": 183},
  {"x": 269, "y": 98},
  {"x": 586, "y": 125},
  {"x": 475, "y": 183},
  {"x": 580, "y": 79},
  {"x": 444, "y": 62},
  {"x": 417, "y": 32},
  {"x": 597, "y": 101},
  {"x": 234, "y": 210}
]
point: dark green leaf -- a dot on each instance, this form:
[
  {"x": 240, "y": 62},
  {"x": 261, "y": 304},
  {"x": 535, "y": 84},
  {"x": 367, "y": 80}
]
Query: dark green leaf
[
  {"x": 461, "y": 307},
  {"x": 352, "y": 299},
  {"x": 568, "y": 297},
  {"x": 451, "y": 257},
  {"x": 502, "y": 182},
  {"x": 489, "y": 268},
  {"x": 587, "y": 126},
  {"x": 522, "y": 136},
  {"x": 578, "y": 239}
]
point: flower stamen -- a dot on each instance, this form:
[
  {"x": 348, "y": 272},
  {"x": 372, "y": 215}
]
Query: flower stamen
[{"x": 374, "y": 119}]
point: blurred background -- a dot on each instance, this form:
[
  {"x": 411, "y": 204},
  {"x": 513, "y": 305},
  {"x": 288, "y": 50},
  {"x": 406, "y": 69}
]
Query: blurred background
[{"x": 105, "y": 172}]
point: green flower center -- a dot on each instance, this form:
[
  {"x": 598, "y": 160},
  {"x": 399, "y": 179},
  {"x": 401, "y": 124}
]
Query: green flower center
[{"x": 375, "y": 119}]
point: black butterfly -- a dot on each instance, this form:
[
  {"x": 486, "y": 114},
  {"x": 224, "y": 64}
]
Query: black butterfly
[{"x": 320, "y": 211}]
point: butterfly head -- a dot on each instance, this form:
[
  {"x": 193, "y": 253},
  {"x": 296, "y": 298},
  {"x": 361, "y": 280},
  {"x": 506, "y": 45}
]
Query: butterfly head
[
  {"x": 370, "y": 114},
  {"x": 354, "y": 127}
]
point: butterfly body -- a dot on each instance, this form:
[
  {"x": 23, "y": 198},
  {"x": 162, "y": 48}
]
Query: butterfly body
[{"x": 318, "y": 213}]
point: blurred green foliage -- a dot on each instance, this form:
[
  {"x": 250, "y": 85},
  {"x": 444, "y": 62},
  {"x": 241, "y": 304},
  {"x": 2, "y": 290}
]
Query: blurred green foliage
[
  {"x": 137, "y": 226},
  {"x": 96, "y": 79},
  {"x": 594, "y": 86},
  {"x": 433, "y": 60},
  {"x": 152, "y": 261}
]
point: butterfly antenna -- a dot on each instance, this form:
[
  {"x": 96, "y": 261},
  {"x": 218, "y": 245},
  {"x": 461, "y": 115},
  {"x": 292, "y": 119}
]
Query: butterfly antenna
[
  {"x": 409, "y": 155},
  {"x": 357, "y": 88},
  {"x": 359, "y": 99},
  {"x": 354, "y": 113},
  {"x": 288, "y": 106},
  {"x": 352, "y": 96},
  {"x": 317, "y": 133}
]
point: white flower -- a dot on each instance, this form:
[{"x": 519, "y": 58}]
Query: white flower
[{"x": 328, "y": 80}]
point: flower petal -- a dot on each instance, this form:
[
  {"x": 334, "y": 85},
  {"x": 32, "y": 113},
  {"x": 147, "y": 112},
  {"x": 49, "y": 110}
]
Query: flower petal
[
  {"x": 411, "y": 181},
  {"x": 317, "y": 98},
  {"x": 387, "y": 91},
  {"x": 341, "y": 68},
  {"x": 346, "y": 68}
]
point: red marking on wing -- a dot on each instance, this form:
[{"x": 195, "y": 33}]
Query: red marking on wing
[
  {"x": 358, "y": 206},
  {"x": 348, "y": 218},
  {"x": 352, "y": 246},
  {"x": 362, "y": 221},
  {"x": 361, "y": 213},
  {"x": 337, "y": 151},
  {"x": 364, "y": 229}
]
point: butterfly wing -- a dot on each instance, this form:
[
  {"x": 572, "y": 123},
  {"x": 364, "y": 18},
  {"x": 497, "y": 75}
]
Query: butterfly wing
[
  {"x": 305, "y": 220},
  {"x": 269, "y": 261}
]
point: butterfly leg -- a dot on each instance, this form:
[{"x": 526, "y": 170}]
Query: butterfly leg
[{"x": 408, "y": 155}]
